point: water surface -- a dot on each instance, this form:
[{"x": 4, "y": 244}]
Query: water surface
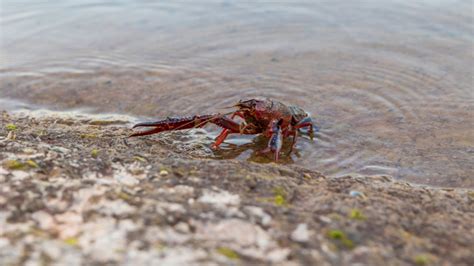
[{"x": 389, "y": 83}]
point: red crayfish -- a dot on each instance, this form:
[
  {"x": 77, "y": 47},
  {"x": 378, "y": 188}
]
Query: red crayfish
[{"x": 272, "y": 118}]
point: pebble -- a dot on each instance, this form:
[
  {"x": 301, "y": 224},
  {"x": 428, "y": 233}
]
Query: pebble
[
  {"x": 126, "y": 178},
  {"x": 278, "y": 255},
  {"x": 163, "y": 207},
  {"x": 238, "y": 232},
  {"x": 301, "y": 233},
  {"x": 136, "y": 169},
  {"x": 102, "y": 240},
  {"x": 53, "y": 250},
  {"x": 11, "y": 135},
  {"x": 69, "y": 218},
  {"x": 182, "y": 227},
  {"x": 115, "y": 207},
  {"x": 219, "y": 198},
  {"x": 45, "y": 220},
  {"x": 19, "y": 175},
  {"x": 3, "y": 200},
  {"x": 259, "y": 213},
  {"x": 29, "y": 151},
  {"x": 325, "y": 219},
  {"x": 4, "y": 242},
  {"x": 177, "y": 192},
  {"x": 60, "y": 149},
  {"x": 355, "y": 193}
]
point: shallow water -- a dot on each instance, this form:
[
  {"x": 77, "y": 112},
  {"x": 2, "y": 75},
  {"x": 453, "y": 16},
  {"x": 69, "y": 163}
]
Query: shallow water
[{"x": 389, "y": 83}]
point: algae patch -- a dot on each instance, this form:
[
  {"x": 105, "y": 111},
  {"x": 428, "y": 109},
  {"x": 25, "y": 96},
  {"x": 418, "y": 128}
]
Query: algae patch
[
  {"x": 357, "y": 214},
  {"x": 95, "y": 153},
  {"x": 421, "y": 260},
  {"x": 280, "y": 196},
  {"x": 11, "y": 127},
  {"x": 88, "y": 136},
  {"x": 341, "y": 238},
  {"x": 227, "y": 252},
  {"x": 14, "y": 165},
  {"x": 32, "y": 164},
  {"x": 71, "y": 241}
]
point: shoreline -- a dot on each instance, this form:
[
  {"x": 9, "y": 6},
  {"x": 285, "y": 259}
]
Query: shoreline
[{"x": 75, "y": 191}]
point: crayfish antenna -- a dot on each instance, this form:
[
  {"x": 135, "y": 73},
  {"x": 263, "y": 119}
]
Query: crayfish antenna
[
  {"x": 176, "y": 123},
  {"x": 146, "y": 132},
  {"x": 148, "y": 124}
]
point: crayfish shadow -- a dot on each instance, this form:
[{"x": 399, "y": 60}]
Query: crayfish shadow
[{"x": 252, "y": 151}]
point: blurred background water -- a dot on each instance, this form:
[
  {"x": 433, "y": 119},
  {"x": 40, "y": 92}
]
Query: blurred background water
[{"x": 389, "y": 83}]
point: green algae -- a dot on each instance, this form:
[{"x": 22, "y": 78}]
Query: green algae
[
  {"x": 71, "y": 241},
  {"x": 341, "y": 238},
  {"x": 95, "y": 153},
  {"x": 421, "y": 260},
  {"x": 357, "y": 214},
  {"x": 19, "y": 165},
  {"x": 227, "y": 252},
  {"x": 32, "y": 164},
  {"x": 14, "y": 165},
  {"x": 88, "y": 136},
  {"x": 11, "y": 127},
  {"x": 280, "y": 196},
  {"x": 139, "y": 159}
]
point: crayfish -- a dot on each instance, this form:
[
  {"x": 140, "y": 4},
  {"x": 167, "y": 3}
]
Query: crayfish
[{"x": 272, "y": 118}]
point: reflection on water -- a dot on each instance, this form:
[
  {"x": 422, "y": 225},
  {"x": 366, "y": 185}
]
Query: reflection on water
[{"x": 388, "y": 82}]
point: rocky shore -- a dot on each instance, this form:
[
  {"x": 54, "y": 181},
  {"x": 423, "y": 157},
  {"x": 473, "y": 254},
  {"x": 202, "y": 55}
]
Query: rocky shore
[{"x": 75, "y": 190}]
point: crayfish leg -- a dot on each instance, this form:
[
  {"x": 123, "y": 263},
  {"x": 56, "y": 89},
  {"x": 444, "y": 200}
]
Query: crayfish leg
[
  {"x": 276, "y": 139},
  {"x": 229, "y": 127},
  {"x": 306, "y": 122},
  {"x": 219, "y": 139}
]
